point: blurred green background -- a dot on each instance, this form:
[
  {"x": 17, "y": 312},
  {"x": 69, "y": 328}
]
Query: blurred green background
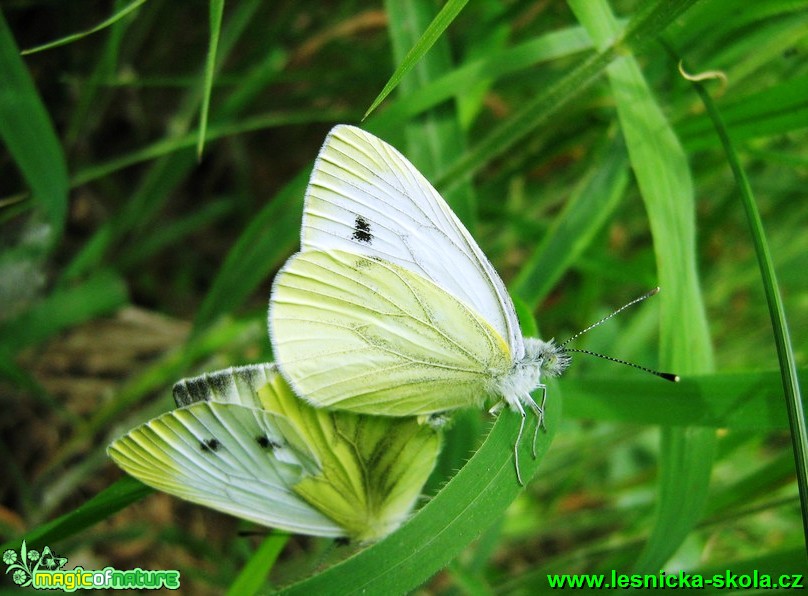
[{"x": 566, "y": 139}]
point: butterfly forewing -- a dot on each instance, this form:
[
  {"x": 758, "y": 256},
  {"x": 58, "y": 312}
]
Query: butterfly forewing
[
  {"x": 366, "y": 335},
  {"x": 364, "y": 197}
]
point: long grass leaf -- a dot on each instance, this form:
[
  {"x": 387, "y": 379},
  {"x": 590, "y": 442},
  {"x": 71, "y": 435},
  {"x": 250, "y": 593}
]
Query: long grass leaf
[
  {"x": 432, "y": 33},
  {"x": 499, "y": 64},
  {"x": 254, "y": 574},
  {"x": 738, "y": 401},
  {"x": 594, "y": 199},
  {"x": 782, "y": 339},
  {"x": 649, "y": 22},
  {"x": 113, "y": 498},
  {"x": 216, "y": 11},
  {"x": 82, "y": 34},
  {"x": 64, "y": 308},
  {"x": 28, "y": 134},
  {"x": 664, "y": 179}
]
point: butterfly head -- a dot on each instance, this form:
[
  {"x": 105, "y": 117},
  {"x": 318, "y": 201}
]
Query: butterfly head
[
  {"x": 551, "y": 360},
  {"x": 540, "y": 358}
]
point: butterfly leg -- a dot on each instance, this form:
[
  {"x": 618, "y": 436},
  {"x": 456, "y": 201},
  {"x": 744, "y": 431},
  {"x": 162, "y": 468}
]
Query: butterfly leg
[
  {"x": 541, "y": 407},
  {"x": 521, "y": 411},
  {"x": 539, "y": 411}
]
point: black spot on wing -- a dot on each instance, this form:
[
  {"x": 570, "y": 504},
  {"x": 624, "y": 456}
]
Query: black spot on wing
[
  {"x": 361, "y": 231},
  {"x": 266, "y": 443},
  {"x": 209, "y": 445}
]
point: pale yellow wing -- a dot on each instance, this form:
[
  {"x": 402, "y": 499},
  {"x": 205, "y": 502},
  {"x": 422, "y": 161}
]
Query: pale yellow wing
[
  {"x": 363, "y": 334},
  {"x": 244, "y": 444}
]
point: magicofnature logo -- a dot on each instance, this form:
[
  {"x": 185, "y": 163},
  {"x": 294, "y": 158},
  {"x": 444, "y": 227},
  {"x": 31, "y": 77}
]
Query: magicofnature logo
[{"x": 44, "y": 571}]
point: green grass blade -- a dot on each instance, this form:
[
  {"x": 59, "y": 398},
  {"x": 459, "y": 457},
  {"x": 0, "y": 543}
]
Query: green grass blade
[
  {"x": 157, "y": 184},
  {"x": 778, "y": 109},
  {"x": 785, "y": 350},
  {"x": 222, "y": 130},
  {"x": 28, "y": 134},
  {"x": 94, "y": 100},
  {"x": 738, "y": 401},
  {"x": 587, "y": 210},
  {"x": 253, "y": 576},
  {"x": 256, "y": 252},
  {"x": 645, "y": 26},
  {"x": 440, "y": 23},
  {"x": 174, "y": 233},
  {"x": 114, "y": 498},
  {"x": 63, "y": 308},
  {"x": 754, "y": 485},
  {"x": 663, "y": 176},
  {"x": 82, "y": 34},
  {"x": 434, "y": 139},
  {"x": 545, "y": 48},
  {"x": 216, "y": 11}
]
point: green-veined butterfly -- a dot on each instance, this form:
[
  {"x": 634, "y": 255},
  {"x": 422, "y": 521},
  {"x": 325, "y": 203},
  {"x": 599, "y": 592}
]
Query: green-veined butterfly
[
  {"x": 390, "y": 307},
  {"x": 241, "y": 442}
]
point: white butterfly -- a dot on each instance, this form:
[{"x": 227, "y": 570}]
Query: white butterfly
[
  {"x": 391, "y": 308},
  {"x": 244, "y": 444}
]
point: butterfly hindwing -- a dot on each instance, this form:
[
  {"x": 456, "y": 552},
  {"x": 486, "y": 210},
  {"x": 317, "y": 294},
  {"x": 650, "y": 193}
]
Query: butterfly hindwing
[
  {"x": 222, "y": 456},
  {"x": 246, "y": 445},
  {"x": 364, "y": 197},
  {"x": 366, "y": 335},
  {"x": 241, "y": 385}
]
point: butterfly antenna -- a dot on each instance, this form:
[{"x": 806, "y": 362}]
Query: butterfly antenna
[
  {"x": 606, "y": 318},
  {"x": 667, "y": 376}
]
